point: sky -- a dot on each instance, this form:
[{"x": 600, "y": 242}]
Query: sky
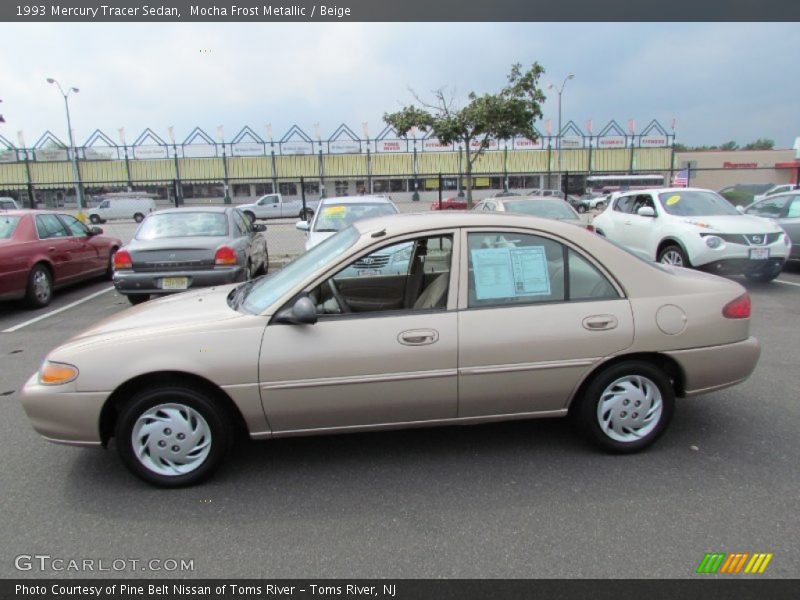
[{"x": 719, "y": 81}]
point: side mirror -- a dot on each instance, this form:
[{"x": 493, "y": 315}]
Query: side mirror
[
  {"x": 646, "y": 211},
  {"x": 302, "y": 312},
  {"x": 302, "y": 225},
  {"x": 259, "y": 227},
  {"x": 95, "y": 230},
  {"x": 740, "y": 208}
]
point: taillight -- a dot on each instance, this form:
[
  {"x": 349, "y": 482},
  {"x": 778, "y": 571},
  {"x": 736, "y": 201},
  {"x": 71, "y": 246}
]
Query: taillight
[
  {"x": 225, "y": 256},
  {"x": 122, "y": 260},
  {"x": 590, "y": 228},
  {"x": 738, "y": 308}
]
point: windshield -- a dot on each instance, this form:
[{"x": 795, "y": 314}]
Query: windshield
[
  {"x": 545, "y": 209},
  {"x": 183, "y": 224},
  {"x": 7, "y": 226},
  {"x": 695, "y": 203},
  {"x": 335, "y": 217},
  {"x": 267, "y": 290}
]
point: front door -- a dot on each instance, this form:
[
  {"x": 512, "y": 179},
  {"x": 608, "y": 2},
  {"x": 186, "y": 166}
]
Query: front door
[
  {"x": 384, "y": 350},
  {"x": 536, "y": 317}
]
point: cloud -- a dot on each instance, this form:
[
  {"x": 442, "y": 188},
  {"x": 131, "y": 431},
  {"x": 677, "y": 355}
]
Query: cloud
[{"x": 721, "y": 81}]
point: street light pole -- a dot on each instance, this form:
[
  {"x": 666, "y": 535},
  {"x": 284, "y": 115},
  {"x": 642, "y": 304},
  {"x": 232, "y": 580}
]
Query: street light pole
[
  {"x": 560, "y": 90},
  {"x": 76, "y": 174}
]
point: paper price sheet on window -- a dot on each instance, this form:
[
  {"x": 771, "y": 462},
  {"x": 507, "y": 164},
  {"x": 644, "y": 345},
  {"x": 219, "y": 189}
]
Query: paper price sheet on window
[{"x": 510, "y": 272}]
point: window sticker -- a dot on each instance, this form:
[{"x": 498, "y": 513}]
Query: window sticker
[
  {"x": 510, "y": 272},
  {"x": 673, "y": 200},
  {"x": 335, "y": 212}
]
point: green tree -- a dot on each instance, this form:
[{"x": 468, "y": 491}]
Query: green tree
[
  {"x": 510, "y": 112},
  {"x": 760, "y": 144},
  {"x": 729, "y": 146}
]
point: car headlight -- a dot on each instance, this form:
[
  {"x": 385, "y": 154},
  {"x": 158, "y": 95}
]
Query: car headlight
[
  {"x": 56, "y": 373},
  {"x": 713, "y": 242}
]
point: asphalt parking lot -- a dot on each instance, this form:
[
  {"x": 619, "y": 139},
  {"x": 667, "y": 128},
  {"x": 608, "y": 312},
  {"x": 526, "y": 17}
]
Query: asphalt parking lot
[{"x": 522, "y": 499}]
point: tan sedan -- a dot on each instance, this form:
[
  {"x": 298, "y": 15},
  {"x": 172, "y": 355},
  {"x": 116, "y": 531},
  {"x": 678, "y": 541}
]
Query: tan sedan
[{"x": 495, "y": 317}]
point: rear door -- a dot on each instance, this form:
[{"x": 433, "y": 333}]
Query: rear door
[
  {"x": 57, "y": 245},
  {"x": 535, "y": 316}
]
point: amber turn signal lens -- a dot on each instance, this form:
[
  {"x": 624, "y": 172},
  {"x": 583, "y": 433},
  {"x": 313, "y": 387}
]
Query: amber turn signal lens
[{"x": 53, "y": 373}]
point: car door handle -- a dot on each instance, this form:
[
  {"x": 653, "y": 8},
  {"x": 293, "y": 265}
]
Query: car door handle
[
  {"x": 418, "y": 337},
  {"x": 51, "y": 249},
  {"x": 600, "y": 322}
]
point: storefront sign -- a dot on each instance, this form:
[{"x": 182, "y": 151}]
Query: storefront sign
[
  {"x": 571, "y": 141},
  {"x": 526, "y": 144},
  {"x": 434, "y": 145},
  {"x": 297, "y": 147},
  {"x": 199, "y": 150},
  {"x": 344, "y": 147},
  {"x": 730, "y": 165},
  {"x": 7, "y": 156},
  {"x": 653, "y": 141},
  {"x": 248, "y": 149},
  {"x": 153, "y": 151},
  {"x": 611, "y": 141},
  {"x": 100, "y": 153},
  {"x": 51, "y": 154},
  {"x": 391, "y": 146}
]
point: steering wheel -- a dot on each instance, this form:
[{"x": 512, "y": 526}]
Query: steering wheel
[{"x": 338, "y": 296}]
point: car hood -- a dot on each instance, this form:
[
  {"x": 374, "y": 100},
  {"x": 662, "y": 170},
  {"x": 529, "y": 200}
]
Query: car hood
[
  {"x": 732, "y": 224},
  {"x": 199, "y": 308}
]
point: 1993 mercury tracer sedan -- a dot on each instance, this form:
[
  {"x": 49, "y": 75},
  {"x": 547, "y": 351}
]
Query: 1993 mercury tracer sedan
[{"x": 498, "y": 317}]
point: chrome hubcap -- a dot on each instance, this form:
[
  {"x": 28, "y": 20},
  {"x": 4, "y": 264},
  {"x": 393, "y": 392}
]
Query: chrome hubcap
[
  {"x": 41, "y": 286},
  {"x": 672, "y": 257},
  {"x": 629, "y": 408},
  {"x": 171, "y": 439}
]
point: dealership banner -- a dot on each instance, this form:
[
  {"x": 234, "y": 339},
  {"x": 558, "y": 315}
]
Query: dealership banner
[{"x": 699, "y": 587}]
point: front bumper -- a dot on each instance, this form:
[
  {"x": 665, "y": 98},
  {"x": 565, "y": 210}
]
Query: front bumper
[
  {"x": 744, "y": 266},
  {"x": 148, "y": 282},
  {"x": 62, "y": 415},
  {"x": 716, "y": 367}
]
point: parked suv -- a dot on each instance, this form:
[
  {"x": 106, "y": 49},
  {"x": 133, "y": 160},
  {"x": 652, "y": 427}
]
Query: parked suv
[
  {"x": 691, "y": 227},
  {"x": 131, "y": 207}
]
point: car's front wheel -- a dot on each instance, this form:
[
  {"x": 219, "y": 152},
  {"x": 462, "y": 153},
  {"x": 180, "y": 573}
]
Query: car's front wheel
[
  {"x": 138, "y": 298},
  {"x": 250, "y": 215},
  {"x": 673, "y": 255},
  {"x": 173, "y": 436},
  {"x": 581, "y": 208},
  {"x": 138, "y": 217},
  {"x": 766, "y": 275},
  {"x": 94, "y": 219},
  {"x": 626, "y": 407}
]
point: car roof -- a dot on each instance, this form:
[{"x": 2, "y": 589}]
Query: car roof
[
  {"x": 372, "y": 199},
  {"x": 187, "y": 209},
  {"x": 665, "y": 190},
  {"x": 404, "y": 223}
]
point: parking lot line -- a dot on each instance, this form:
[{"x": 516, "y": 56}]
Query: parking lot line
[
  {"x": 56, "y": 311},
  {"x": 787, "y": 282}
]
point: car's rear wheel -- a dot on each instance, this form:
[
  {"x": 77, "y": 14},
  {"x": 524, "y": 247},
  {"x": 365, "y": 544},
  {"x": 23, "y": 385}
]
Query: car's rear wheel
[
  {"x": 673, "y": 255},
  {"x": 581, "y": 208},
  {"x": 39, "y": 291},
  {"x": 626, "y": 407},
  {"x": 265, "y": 264},
  {"x": 173, "y": 436},
  {"x": 306, "y": 214},
  {"x": 600, "y": 206},
  {"x": 138, "y": 298},
  {"x": 250, "y": 215},
  {"x": 94, "y": 219},
  {"x": 138, "y": 217}
]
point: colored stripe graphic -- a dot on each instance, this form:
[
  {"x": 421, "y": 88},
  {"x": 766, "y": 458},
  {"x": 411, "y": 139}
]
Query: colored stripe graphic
[{"x": 733, "y": 563}]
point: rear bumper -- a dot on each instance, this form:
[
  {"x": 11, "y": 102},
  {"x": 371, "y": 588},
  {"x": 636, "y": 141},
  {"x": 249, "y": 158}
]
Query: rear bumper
[
  {"x": 744, "y": 266},
  {"x": 132, "y": 282},
  {"x": 716, "y": 367}
]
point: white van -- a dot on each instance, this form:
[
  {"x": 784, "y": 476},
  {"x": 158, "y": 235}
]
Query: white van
[
  {"x": 8, "y": 203},
  {"x": 136, "y": 208}
]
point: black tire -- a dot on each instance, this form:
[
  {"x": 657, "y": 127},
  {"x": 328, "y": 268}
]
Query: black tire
[
  {"x": 138, "y": 298},
  {"x": 250, "y": 216},
  {"x": 600, "y": 206},
  {"x": 39, "y": 290},
  {"x": 586, "y": 411},
  {"x": 110, "y": 269},
  {"x": 306, "y": 215},
  {"x": 265, "y": 264},
  {"x": 138, "y": 217},
  {"x": 672, "y": 253},
  {"x": 581, "y": 208},
  {"x": 183, "y": 399},
  {"x": 95, "y": 220}
]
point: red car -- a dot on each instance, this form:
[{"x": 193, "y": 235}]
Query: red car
[
  {"x": 42, "y": 250},
  {"x": 450, "y": 204}
]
